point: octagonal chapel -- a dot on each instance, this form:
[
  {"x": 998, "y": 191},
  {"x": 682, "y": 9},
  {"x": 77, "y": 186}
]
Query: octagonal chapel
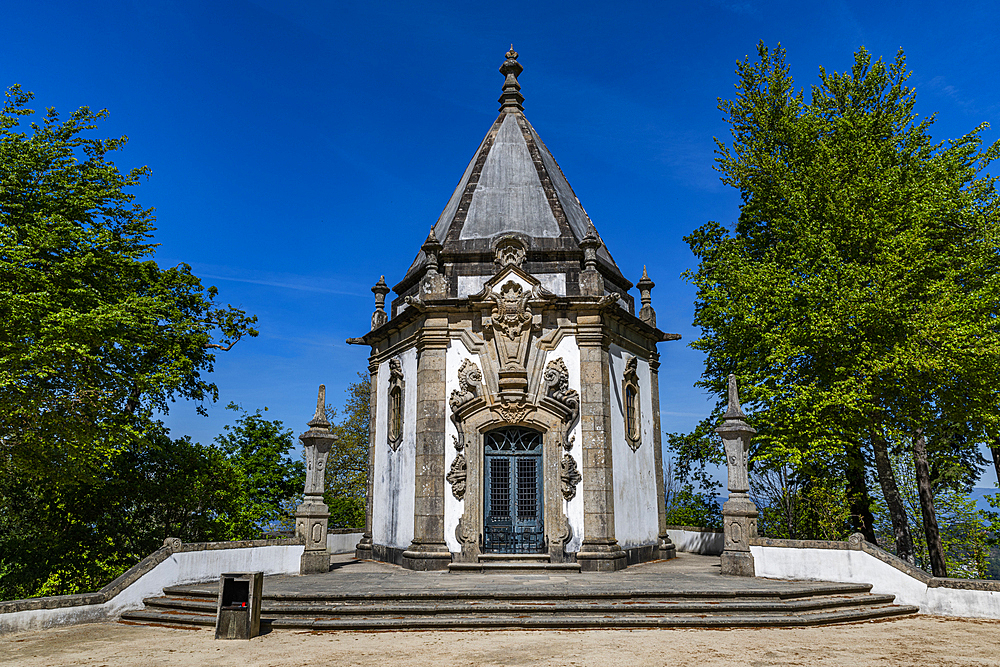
[{"x": 514, "y": 400}]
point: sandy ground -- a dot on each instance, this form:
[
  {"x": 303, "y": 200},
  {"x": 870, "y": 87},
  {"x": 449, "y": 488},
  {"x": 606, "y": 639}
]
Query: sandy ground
[{"x": 923, "y": 640}]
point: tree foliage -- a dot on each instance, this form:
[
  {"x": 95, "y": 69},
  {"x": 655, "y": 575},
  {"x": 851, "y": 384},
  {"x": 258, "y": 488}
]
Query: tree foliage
[
  {"x": 859, "y": 290},
  {"x": 347, "y": 468},
  {"x": 94, "y": 336},
  {"x": 60, "y": 540}
]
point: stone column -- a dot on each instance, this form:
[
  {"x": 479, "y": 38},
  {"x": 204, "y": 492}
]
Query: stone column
[
  {"x": 739, "y": 514},
  {"x": 363, "y": 550},
  {"x": 600, "y": 550},
  {"x": 428, "y": 550},
  {"x": 312, "y": 516},
  {"x": 665, "y": 545}
]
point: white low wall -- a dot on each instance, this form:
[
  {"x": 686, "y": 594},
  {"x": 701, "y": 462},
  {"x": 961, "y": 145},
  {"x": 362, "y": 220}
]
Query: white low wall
[
  {"x": 696, "y": 540},
  {"x": 191, "y": 564},
  {"x": 866, "y": 564},
  {"x": 342, "y": 543}
]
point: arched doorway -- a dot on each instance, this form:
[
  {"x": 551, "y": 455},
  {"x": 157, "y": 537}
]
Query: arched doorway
[{"x": 513, "y": 491}]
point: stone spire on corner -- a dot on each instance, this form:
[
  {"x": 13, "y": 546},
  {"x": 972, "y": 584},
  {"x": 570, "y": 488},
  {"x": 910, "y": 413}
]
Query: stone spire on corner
[{"x": 511, "y": 98}]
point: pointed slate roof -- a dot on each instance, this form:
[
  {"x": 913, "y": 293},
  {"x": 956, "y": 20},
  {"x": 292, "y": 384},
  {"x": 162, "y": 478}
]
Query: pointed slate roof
[{"x": 512, "y": 185}]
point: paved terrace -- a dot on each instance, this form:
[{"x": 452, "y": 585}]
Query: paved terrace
[{"x": 688, "y": 574}]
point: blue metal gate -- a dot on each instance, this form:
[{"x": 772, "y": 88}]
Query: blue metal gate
[{"x": 513, "y": 489}]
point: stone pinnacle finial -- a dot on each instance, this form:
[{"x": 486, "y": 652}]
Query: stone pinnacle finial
[
  {"x": 319, "y": 419},
  {"x": 511, "y": 98},
  {"x": 734, "y": 411},
  {"x": 645, "y": 285}
]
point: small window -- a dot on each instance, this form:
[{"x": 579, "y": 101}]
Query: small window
[
  {"x": 394, "y": 422},
  {"x": 395, "y": 413},
  {"x": 631, "y": 411}
]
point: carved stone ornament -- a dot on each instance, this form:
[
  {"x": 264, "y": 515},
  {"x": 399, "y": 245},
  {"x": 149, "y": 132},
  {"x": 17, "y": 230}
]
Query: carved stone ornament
[
  {"x": 569, "y": 476},
  {"x": 632, "y": 415},
  {"x": 394, "y": 422},
  {"x": 510, "y": 251},
  {"x": 510, "y": 313},
  {"x": 513, "y": 413},
  {"x": 457, "y": 475},
  {"x": 470, "y": 378}
]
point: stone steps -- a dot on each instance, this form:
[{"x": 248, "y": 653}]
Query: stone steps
[{"x": 194, "y": 607}]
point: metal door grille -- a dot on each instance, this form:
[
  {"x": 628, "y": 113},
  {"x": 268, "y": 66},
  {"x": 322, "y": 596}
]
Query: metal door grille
[
  {"x": 499, "y": 488},
  {"x": 527, "y": 488},
  {"x": 514, "y": 503}
]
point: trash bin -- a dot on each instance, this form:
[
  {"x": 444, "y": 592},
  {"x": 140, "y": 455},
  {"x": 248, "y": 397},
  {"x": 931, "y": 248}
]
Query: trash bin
[{"x": 238, "y": 612}]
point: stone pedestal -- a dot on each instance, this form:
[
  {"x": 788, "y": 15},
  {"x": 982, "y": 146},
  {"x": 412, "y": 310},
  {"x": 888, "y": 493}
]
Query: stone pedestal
[
  {"x": 312, "y": 516},
  {"x": 739, "y": 514}
]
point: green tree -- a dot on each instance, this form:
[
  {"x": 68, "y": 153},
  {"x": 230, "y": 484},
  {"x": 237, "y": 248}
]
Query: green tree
[
  {"x": 61, "y": 540},
  {"x": 858, "y": 291},
  {"x": 347, "y": 469},
  {"x": 258, "y": 450},
  {"x": 94, "y": 336}
]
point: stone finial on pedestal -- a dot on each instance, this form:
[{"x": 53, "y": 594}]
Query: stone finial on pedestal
[
  {"x": 312, "y": 516},
  {"x": 380, "y": 317},
  {"x": 645, "y": 285},
  {"x": 591, "y": 282},
  {"x": 511, "y": 99},
  {"x": 433, "y": 284},
  {"x": 739, "y": 514}
]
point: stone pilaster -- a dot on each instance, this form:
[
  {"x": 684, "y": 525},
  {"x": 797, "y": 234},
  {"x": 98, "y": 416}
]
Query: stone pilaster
[
  {"x": 363, "y": 550},
  {"x": 600, "y": 550},
  {"x": 739, "y": 514},
  {"x": 666, "y": 546},
  {"x": 428, "y": 551}
]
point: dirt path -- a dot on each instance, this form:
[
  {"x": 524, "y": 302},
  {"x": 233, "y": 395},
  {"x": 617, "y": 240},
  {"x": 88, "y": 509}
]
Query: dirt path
[{"x": 923, "y": 640}]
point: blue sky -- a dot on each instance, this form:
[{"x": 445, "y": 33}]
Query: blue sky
[{"x": 301, "y": 150}]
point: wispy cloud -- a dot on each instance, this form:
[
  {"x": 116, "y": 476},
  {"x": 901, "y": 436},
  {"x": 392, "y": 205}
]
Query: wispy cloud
[{"x": 305, "y": 285}]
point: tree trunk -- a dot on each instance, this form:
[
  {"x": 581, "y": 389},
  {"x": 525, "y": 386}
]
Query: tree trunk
[
  {"x": 995, "y": 450},
  {"x": 897, "y": 513},
  {"x": 934, "y": 546},
  {"x": 862, "y": 520}
]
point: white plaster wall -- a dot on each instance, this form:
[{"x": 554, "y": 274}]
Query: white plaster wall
[
  {"x": 185, "y": 567},
  {"x": 636, "y": 519},
  {"x": 453, "y": 507},
  {"x": 697, "y": 542},
  {"x": 394, "y": 483},
  {"x": 570, "y": 353},
  {"x": 342, "y": 543},
  {"x": 852, "y": 566}
]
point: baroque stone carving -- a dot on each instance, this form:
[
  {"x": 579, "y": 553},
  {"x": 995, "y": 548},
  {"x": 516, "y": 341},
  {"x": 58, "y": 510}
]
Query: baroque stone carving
[
  {"x": 469, "y": 380},
  {"x": 556, "y": 377},
  {"x": 458, "y": 473},
  {"x": 510, "y": 251},
  {"x": 394, "y": 422},
  {"x": 512, "y": 413},
  {"x": 569, "y": 476},
  {"x": 632, "y": 413},
  {"x": 511, "y": 321}
]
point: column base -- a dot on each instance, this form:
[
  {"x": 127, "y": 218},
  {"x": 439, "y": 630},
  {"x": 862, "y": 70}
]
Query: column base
[
  {"x": 314, "y": 562},
  {"x": 426, "y": 557},
  {"x": 667, "y": 548},
  {"x": 594, "y": 557},
  {"x": 363, "y": 549},
  {"x": 737, "y": 563}
]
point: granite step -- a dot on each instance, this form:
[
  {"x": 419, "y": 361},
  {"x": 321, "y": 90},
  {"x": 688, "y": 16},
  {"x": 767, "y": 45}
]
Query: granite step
[
  {"x": 815, "y": 605},
  {"x": 532, "y": 619}
]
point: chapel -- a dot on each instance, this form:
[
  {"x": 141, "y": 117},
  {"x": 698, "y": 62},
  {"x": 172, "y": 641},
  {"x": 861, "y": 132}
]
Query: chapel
[{"x": 515, "y": 410}]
